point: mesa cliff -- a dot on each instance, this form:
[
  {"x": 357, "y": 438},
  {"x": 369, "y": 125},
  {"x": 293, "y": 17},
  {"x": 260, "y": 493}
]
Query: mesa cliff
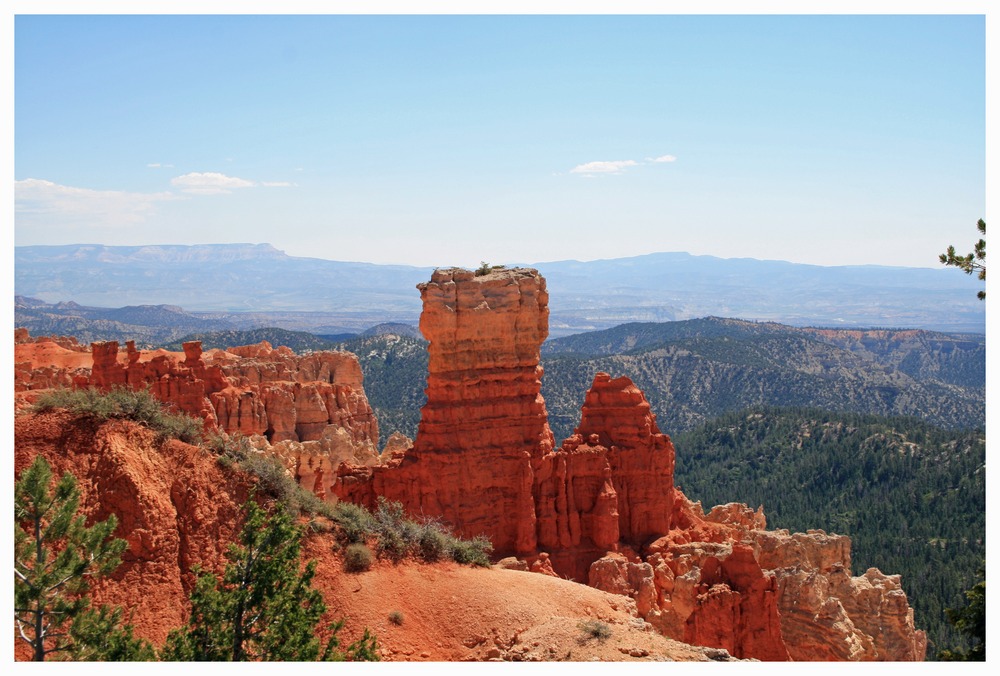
[{"x": 601, "y": 508}]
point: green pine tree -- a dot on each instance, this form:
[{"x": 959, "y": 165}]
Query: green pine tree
[
  {"x": 263, "y": 608},
  {"x": 55, "y": 555},
  {"x": 971, "y": 621},
  {"x": 973, "y": 262},
  {"x": 100, "y": 636}
]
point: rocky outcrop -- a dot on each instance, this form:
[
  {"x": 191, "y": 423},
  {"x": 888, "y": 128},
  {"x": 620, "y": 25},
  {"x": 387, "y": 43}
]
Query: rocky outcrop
[
  {"x": 610, "y": 483},
  {"x": 176, "y": 508},
  {"x": 314, "y": 463},
  {"x": 311, "y": 411},
  {"x": 484, "y": 420},
  {"x": 603, "y": 506},
  {"x": 828, "y": 614},
  {"x": 721, "y": 580},
  {"x": 252, "y": 390}
]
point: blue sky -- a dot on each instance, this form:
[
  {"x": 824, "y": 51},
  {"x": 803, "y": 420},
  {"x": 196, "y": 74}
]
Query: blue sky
[{"x": 447, "y": 140}]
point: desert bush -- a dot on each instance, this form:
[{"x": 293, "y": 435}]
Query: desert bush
[
  {"x": 485, "y": 268},
  {"x": 434, "y": 543},
  {"x": 234, "y": 448},
  {"x": 357, "y": 558},
  {"x": 124, "y": 403},
  {"x": 273, "y": 479},
  {"x": 356, "y": 522},
  {"x": 595, "y": 629},
  {"x": 397, "y": 536},
  {"x": 391, "y": 545},
  {"x": 475, "y": 551},
  {"x": 396, "y": 617}
]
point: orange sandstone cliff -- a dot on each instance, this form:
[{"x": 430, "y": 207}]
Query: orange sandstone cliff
[{"x": 311, "y": 411}]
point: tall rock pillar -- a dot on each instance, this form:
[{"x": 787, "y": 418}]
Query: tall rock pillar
[{"x": 485, "y": 419}]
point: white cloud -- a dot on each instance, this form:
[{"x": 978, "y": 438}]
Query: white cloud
[
  {"x": 276, "y": 184},
  {"x": 209, "y": 183},
  {"x": 40, "y": 201},
  {"x": 663, "y": 158},
  {"x": 609, "y": 167},
  {"x": 159, "y": 165}
]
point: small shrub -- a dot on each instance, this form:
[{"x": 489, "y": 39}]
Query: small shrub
[
  {"x": 434, "y": 544},
  {"x": 311, "y": 503},
  {"x": 180, "y": 426},
  {"x": 392, "y": 545},
  {"x": 595, "y": 629},
  {"x": 397, "y": 535},
  {"x": 125, "y": 403},
  {"x": 475, "y": 551},
  {"x": 356, "y": 522},
  {"x": 357, "y": 558},
  {"x": 396, "y": 617},
  {"x": 233, "y": 447},
  {"x": 273, "y": 479}
]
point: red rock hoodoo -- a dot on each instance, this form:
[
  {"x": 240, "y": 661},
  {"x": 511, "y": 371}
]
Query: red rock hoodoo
[
  {"x": 484, "y": 420},
  {"x": 602, "y": 508}
]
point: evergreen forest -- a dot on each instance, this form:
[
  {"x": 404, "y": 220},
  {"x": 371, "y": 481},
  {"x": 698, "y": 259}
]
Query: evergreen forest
[{"x": 911, "y": 496}]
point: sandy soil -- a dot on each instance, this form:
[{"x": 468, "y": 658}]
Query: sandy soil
[{"x": 456, "y": 613}]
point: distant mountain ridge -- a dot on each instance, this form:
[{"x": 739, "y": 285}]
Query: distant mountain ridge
[{"x": 584, "y": 296}]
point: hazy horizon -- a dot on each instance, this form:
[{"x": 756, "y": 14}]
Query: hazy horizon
[{"x": 492, "y": 262}]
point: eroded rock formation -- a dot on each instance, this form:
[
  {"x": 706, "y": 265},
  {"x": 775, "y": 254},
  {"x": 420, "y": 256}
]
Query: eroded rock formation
[
  {"x": 311, "y": 411},
  {"x": 484, "y": 420},
  {"x": 175, "y": 506},
  {"x": 609, "y": 483},
  {"x": 602, "y": 507}
]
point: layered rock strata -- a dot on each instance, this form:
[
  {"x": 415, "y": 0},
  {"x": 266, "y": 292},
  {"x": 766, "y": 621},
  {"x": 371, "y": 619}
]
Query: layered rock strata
[
  {"x": 484, "y": 420},
  {"x": 310, "y": 411},
  {"x": 602, "y": 507},
  {"x": 252, "y": 390}
]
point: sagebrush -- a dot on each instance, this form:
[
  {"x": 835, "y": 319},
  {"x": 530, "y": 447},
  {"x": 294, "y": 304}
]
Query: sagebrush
[{"x": 125, "y": 403}]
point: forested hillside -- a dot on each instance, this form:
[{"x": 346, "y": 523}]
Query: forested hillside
[
  {"x": 910, "y": 495},
  {"x": 693, "y": 370},
  {"x": 395, "y": 370}
]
